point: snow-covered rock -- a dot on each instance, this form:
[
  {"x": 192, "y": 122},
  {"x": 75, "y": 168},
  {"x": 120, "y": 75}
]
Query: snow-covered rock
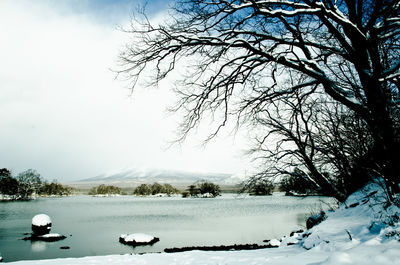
[
  {"x": 296, "y": 230},
  {"x": 289, "y": 240},
  {"x": 50, "y": 237},
  {"x": 138, "y": 239},
  {"x": 315, "y": 219},
  {"x": 41, "y": 220},
  {"x": 274, "y": 242},
  {"x": 46, "y": 237},
  {"x": 41, "y": 224}
]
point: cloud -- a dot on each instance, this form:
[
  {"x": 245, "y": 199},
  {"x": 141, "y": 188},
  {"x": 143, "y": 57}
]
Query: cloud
[{"x": 63, "y": 113}]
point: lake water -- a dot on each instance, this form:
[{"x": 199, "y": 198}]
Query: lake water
[{"x": 93, "y": 224}]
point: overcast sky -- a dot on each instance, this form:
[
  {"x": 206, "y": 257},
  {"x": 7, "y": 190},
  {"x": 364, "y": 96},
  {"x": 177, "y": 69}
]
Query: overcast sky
[{"x": 63, "y": 113}]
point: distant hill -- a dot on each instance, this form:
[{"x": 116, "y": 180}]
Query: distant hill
[{"x": 163, "y": 176}]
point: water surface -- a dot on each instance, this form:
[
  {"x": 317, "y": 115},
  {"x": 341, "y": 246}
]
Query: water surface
[{"x": 93, "y": 224}]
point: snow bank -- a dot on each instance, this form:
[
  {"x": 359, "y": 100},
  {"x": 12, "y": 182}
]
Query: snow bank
[
  {"x": 41, "y": 220},
  {"x": 364, "y": 218},
  {"x": 190, "y": 258}
]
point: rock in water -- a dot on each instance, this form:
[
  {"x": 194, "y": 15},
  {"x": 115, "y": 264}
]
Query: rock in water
[
  {"x": 41, "y": 224},
  {"x": 46, "y": 237},
  {"x": 65, "y": 247},
  {"x": 138, "y": 239},
  {"x": 49, "y": 237}
]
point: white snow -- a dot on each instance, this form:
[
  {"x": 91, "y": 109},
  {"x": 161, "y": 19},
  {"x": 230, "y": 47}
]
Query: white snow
[
  {"x": 367, "y": 233},
  {"x": 51, "y": 235},
  {"x": 138, "y": 238},
  {"x": 41, "y": 220},
  {"x": 287, "y": 241},
  {"x": 274, "y": 242}
]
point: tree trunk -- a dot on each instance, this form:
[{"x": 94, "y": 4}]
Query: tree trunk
[{"x": 386, "y": 151}]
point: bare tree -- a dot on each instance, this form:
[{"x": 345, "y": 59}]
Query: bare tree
[
  {"x": 344, "y": 144},
  {"x": 325, "y": 141},
  {"x": 241, "y": 54}
]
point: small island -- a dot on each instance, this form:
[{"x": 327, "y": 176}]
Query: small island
[
  {"x": 203, "y": 189},
  {"x": 28, "y": 185}
]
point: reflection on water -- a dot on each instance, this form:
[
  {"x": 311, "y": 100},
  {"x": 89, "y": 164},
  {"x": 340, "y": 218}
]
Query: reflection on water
[
  {"x": 302, "y": 217},
  {"x": 93, "y": 224},
  {"x": 38, "y": 246}
]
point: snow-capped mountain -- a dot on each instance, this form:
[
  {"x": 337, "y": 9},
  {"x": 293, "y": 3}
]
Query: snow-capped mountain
[{"x": 164, "y": 176}]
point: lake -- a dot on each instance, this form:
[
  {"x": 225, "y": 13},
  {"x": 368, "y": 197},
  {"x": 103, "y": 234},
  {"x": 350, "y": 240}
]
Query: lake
[{"x": 93, "y": 224}]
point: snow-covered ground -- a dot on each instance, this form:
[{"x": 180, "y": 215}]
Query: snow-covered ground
[{"x": 364, "y": 230}]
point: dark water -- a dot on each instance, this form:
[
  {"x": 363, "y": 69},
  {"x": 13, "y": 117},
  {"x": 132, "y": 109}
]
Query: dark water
[{"x": 93, "y": 224}]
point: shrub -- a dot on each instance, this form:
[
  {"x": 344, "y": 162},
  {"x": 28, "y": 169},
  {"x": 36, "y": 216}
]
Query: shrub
[
  {"x": 298, "y": 182},
  {"x": 8, "y": 184},
  {"x": 54, "y": 188},
  {"x": 203, "y": 188},
  {"x": 4, "y": 172},
  {"x": 261, "y": 187},
  {"x": 155, "y": 188},
  {"x": 169, "y": 189},
  {"x": 104, "y": 189},
  {"x": 193, "y": 190},
  {"x": 29, "y": 182},
  {"x": 210, "y": 188},
  {"x": 143, "y": 190}
]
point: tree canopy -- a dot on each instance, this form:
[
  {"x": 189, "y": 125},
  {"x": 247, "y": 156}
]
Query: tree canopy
[
  {"x": 29, "y": 183},
  {"x": 260, "y": 60},
  {"x": 204, "y": 189}
]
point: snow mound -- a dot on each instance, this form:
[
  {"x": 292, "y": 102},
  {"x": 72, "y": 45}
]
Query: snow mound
[
  {"x": 274, "y": 242},
  {"x": 138, "y": 239},
  {"x": 366, "y": 218},
  {"x": 41, "y": 220}
]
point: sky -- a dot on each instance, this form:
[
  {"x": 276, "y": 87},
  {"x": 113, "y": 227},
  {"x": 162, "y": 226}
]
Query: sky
[{"x": 63, "y": 112}]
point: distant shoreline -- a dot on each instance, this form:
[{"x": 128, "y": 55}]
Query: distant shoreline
[{"x": 83, "y": 187}]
